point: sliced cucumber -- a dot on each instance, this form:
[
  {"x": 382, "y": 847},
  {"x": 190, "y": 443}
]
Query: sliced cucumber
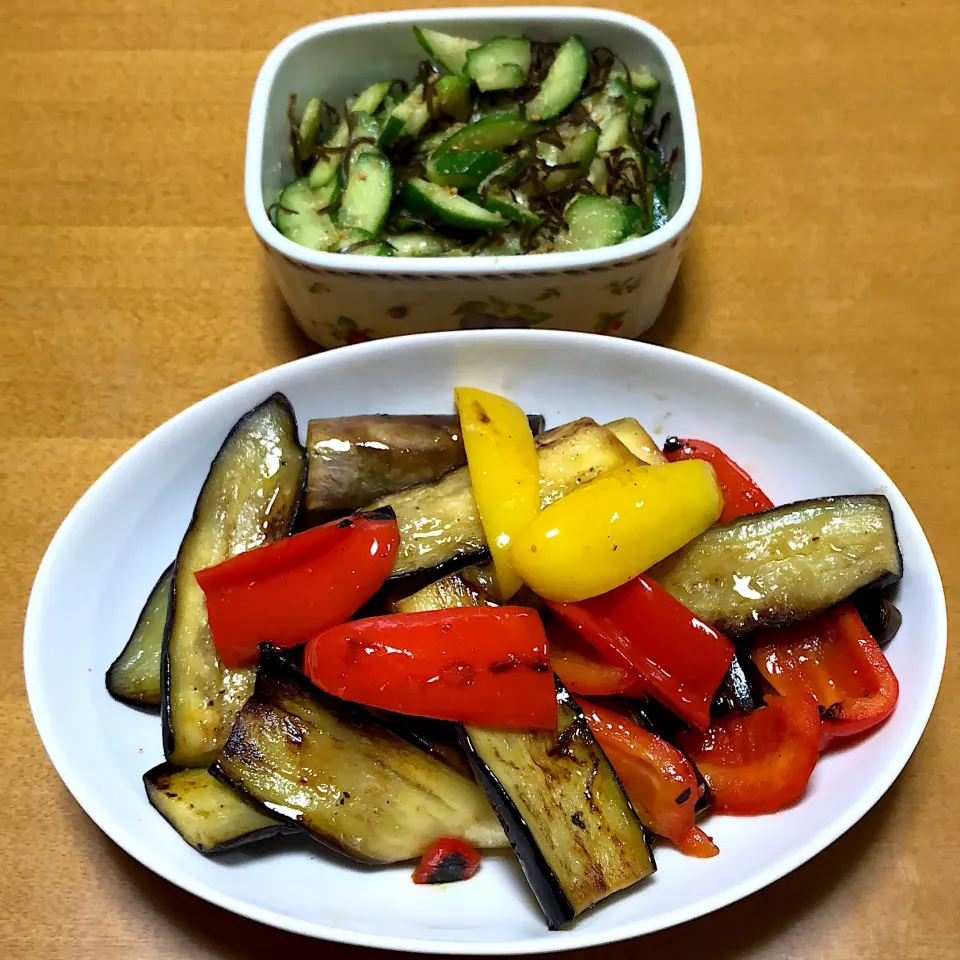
[
  {"x": 299, "y": 219},
  {"x": 614, "y": 132},
  {"x": 426, "y": 145},
  {"x": 449, "y": 52},
  {"x": 360, "y": 243},
  {"x": 370, "y": 99},
  {"x": 463, "y": 169},
  {"x": 367, "y": 195},
  {"x": 593, "y": 222},
  {"x": 453, "y": 96},
  {"x": 598, "y": 175},
  {"x": 506, "y": 204},
  {"x": 367, "y": 129},
  {"x": 325, "y": 169},
  {"x": 450, "y": 207},
  {"x": 504, "y": 244},
  {"x": 581, "y": 151},
  {"x": 494, "y": 132},
  {"x": 408, "y": 118},
  {"x": 511, "y": 168},
  {"x": 563, "y": 81},
  {"x": 309, "y": 127},
  {"x": 499, "y": 64},
  {"x": 419, "y": 244},
  {"x": 644, "y": 81}
]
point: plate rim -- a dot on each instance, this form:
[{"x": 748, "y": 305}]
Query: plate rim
[{"x": 571, "y": 939}]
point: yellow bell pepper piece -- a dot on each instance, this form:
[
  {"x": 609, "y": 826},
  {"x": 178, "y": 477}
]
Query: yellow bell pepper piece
[
  {"x": 615, "y": 527},
  {"x": 504, "y": 474}
]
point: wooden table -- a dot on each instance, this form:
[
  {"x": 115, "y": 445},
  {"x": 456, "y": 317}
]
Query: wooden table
[{"x": 824, "y": 261}]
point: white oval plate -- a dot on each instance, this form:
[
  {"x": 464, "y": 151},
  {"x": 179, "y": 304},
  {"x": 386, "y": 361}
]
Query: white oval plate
[{"x": 126, "y": 528}]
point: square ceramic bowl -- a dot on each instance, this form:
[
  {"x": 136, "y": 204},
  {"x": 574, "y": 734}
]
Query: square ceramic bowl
[{"x": 338, "y": 298}]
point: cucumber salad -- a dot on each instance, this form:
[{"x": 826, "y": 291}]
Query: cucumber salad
[{"x": 502, "y": 147}]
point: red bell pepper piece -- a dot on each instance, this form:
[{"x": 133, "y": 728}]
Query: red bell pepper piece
[
  {"x": 659, "y": 780},
  {"x": 835, "y": 658},
  {"x": 583, "y": 670},
  {"x": 639, "y": 626},
  {"x": 741, "y": 496},
  {"x": 291, "y": 589},
  {"x": 447, "y": 861},
  {"x": 484, "y": 665},
  {"x": 758, "y": 762}
]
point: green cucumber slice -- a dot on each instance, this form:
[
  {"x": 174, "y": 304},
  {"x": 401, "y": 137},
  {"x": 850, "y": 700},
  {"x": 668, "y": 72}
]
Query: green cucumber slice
[
  {"x": 426, "y": 145},
  {"x": 499, "y": 64},
  {"x": 366, "y": 244},
  {"x": 463, "y": 169},
  {"x": 563, "y": 81},
  {"x": 581, "y": 151},
  {"x": 494, "y": 132},
  {"x": 419, "y": 244},
  {"x": 599, "y": 176},
  {"x": 644, "y": 81},
  {"x": 409, "y": 117},
  {"x": 511, "y": 168},
  {"x": 506, "y": 204},
  {"x": 614, "y": 132},
  {"x": 299, "y": 219},
  {"x": 367, "y": 195},
  {"x": 309, "y": 127},
  {"x": 449, "y": 52},
  {"x": 450, "y": 207},
  {"x": 453, "y": 96},
  {"x": 370, "y": 99},
  {"x": 593, "y": 222},
  {"x": 325, "y": 169}
]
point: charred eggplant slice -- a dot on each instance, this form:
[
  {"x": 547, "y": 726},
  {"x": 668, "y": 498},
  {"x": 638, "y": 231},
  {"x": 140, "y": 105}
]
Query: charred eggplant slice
[
  {"x": 741, "y": 690},
  {"x": 342, "y": 775},
  {"x": 249, "y": 498},
  {"x": 439, "y": 521},
  {"x": 565, "y": 813},
  {"x": 205, "y": 812},
  {"x": 353, "y": 460},
  {"x": 879, "y": 616},
  {"x": 786, "y": 564},
  {"x": 561, "y": 804},
  {"x": 472, "y": 586},
  {"x": 134, "y": 677}
]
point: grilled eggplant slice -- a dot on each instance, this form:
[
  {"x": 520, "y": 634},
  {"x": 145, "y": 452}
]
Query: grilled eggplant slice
[
  {"x": 205, "y": 812},
  {"x": 342, "y": 775},
  {"x": 249, "y": 498},
  {"x": 134, "y": 677},
  {"x": 741, "y": 690},
  {"x": 561, "y": 804},
  {"x": 786, "y": 564},
  {"x": 632, "y": 435},
  {"x": 879, "y": 616},
  {"x": 565, "y": 813},
  {"x": 472, "y": 586},
  {"x": 439, "y": 521},
  {"x": 353, "y": 460}
]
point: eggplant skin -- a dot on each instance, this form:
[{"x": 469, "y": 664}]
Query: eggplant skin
[
  {"x": 134, "y": 677},
  {"x": 774, "y": 568},
  {"x": 741, "y": 690},
  {"x": 207, "y": 814},
  {"x": 354, "y": 460},
  {"x": 250, "y": 497},
  {"x": 440, "y": 522},
  {"x": 344, "y": 777},
  {"x": 564, "y": 811}
]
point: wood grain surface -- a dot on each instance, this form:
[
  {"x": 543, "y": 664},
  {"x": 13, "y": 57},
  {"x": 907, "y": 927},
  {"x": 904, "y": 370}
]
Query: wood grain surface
[{"x": 823, "y": 261}]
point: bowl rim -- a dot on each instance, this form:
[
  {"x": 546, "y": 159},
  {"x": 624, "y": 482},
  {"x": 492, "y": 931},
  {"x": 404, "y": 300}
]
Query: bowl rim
[
  {"x": 639, "y": 248},
  {"x": 66, "y": 766}
]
